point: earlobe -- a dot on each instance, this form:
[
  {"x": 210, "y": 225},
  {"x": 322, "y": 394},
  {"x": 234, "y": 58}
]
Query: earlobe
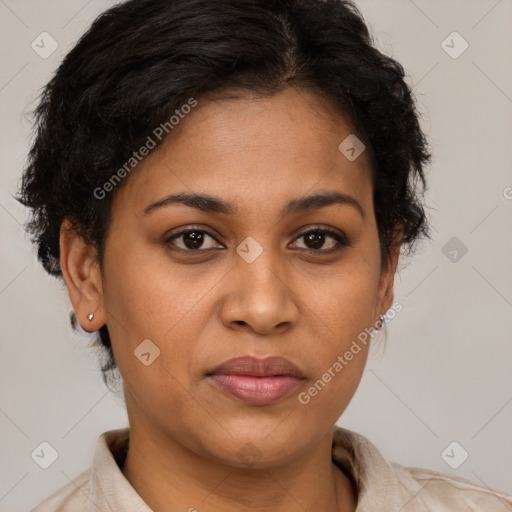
[{"x": 80, "y": 270}]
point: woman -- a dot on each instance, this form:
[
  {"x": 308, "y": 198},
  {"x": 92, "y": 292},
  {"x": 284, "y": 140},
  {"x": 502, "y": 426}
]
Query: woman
[{"x": 225, "y": 188}]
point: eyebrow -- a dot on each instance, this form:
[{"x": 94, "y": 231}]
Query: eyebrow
[{"x": 210, "y": 204}]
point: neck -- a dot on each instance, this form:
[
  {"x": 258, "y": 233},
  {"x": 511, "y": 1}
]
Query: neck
[{"x": 170, "y": 476}]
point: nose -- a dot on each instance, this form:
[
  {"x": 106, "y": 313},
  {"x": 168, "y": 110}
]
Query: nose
[{"x": 259, "y": 298}]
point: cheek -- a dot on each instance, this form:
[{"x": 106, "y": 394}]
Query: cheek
[
  {"x": 344, "y": 300},
  {"x": 337, "y": 379},
  {"x": 132, "y": 299},
  {"x": 148, "y": 299},
  {"x": 338, "y": 351},
  {"x": 344, "y": 307},
  {"x": 141, "y": 287}
]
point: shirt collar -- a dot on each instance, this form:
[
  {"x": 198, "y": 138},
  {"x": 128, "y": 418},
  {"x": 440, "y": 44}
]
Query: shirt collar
[
  {"x": 110, "y": 490},
  {"x": 375, "y": 479}
]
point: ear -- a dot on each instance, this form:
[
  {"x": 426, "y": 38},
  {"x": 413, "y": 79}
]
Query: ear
[
  {"x": 387, "y": 277},
  {"x": 81, "y": 273}
]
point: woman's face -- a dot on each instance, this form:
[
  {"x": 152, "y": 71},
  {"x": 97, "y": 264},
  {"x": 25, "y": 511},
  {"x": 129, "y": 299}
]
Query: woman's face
[{"x": 246, "y": 282}]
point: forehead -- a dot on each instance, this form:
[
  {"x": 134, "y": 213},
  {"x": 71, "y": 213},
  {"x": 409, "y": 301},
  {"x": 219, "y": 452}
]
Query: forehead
[{"x": 252, "y": 150}]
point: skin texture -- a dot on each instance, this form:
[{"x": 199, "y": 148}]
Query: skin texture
[{"x": 203, "y": 310}]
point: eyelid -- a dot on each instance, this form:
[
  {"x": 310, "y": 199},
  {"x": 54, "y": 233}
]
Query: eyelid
[
  {"x": 186, "y": 229},
  {"x": 339, "y": 236}
]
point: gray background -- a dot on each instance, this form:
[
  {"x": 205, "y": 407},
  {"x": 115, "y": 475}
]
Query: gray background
[{"x": 444, "y": 374}]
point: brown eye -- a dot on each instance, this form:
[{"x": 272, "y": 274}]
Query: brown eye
[
  {"x": 315, "y": 239},
  {"x": 191, "y": 240}
]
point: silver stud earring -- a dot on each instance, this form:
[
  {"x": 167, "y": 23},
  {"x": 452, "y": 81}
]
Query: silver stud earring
[{"x": 90, "y": 316}]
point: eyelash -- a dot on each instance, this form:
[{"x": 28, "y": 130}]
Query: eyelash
[{"x": 341, "y": 239}]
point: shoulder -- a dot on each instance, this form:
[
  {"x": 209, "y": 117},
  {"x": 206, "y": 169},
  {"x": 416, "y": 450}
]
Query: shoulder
[
  {"x": 433, "y": 490},
  {"x": 72, "y": 497},
  {"x": 409, "y": 489},
  {"x": 100, "y": 487}
]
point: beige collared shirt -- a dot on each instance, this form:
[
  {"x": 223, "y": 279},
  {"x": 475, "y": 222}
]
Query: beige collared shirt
[{"x": 383, "y": 485}]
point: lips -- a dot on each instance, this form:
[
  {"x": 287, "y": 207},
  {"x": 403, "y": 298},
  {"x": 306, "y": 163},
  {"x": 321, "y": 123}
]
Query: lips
[
  {"x": 256, "y": 381},
  {"x": 254, "y": 367}
]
